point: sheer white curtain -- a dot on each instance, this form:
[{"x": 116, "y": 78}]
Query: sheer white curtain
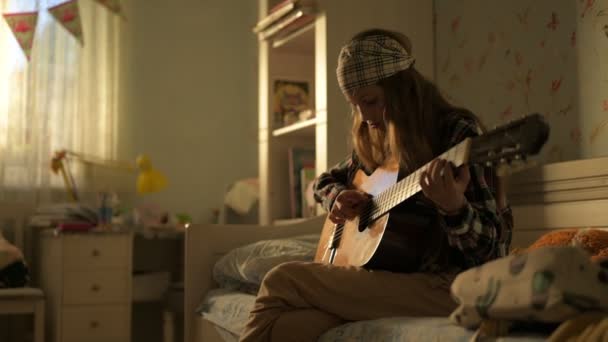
[{"x": 65, "y": 97}]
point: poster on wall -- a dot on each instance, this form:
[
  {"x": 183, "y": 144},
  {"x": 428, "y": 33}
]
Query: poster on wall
[{"x": 291, "y": 102}]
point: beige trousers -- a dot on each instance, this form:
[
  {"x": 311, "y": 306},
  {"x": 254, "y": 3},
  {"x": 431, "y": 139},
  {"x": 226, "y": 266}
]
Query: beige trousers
[{"x": 299, "y": 301}]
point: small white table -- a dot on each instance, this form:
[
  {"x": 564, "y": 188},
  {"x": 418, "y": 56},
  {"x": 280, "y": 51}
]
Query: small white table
[{"x": 25, "y": 301}]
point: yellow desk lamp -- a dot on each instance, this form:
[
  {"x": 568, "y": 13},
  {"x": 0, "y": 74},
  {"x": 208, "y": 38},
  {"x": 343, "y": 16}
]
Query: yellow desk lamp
[{"x": 148, "y": 179}]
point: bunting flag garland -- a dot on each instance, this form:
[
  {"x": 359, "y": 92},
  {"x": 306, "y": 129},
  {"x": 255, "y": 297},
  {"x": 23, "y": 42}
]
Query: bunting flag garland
[
  {"x": 68, "y": 15},
  {"x": 23, "y": 26},
  {"x": 112, "y": 5}
]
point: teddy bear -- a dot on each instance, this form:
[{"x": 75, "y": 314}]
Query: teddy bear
[{"x": 594, "y": 241}]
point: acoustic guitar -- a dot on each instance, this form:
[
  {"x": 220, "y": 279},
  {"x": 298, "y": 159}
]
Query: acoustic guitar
[{"x": 370, "y": 240}]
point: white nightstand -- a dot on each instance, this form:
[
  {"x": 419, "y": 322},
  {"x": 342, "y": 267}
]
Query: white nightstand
[{"x": 87, "y": 282}]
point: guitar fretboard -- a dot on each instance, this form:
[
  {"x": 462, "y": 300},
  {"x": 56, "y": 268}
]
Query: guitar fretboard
[
  {"x": 404, "y": 189},
  {"x": 400, "y": 191}
]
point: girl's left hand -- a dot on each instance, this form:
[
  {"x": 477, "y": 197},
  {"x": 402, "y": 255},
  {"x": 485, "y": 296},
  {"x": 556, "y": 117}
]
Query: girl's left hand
[{"x": 440, "y": 185}]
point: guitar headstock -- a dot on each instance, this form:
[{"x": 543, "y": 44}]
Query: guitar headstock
[{"x": 510, "y": 144}]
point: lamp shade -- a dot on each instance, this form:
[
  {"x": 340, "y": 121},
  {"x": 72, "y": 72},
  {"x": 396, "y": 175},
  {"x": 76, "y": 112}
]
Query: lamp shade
[{"x": 149, "y": 179}]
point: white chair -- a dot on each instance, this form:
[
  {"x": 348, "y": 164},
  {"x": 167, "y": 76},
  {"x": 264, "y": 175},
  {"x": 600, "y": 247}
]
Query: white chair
[{"x": 20, "y": 300}]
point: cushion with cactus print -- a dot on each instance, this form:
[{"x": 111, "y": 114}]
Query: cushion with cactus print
[{"x": 549, "y": 284}]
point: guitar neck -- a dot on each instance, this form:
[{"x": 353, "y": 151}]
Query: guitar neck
[
  {"x": 410, "y": 185},
  {"x": 398, "y": 193}
]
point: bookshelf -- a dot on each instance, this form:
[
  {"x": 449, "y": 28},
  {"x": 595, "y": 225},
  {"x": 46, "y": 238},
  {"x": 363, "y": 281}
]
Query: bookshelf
[
  {"x": 308, "y": 54},
  {"x": 303, "y": 129}
]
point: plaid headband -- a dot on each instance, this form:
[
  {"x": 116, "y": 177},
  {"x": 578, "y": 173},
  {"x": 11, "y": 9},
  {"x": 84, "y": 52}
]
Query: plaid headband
[{"x": 364, "y": 62}]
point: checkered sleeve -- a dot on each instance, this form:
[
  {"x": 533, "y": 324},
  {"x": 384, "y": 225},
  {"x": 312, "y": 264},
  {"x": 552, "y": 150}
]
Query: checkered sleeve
[
  {"x": 481, "y": 231},
  {"x": 329, "y": 184}
]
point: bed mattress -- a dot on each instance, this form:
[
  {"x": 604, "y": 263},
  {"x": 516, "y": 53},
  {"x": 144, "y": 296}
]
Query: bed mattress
[{"x": 229, "y": 310}]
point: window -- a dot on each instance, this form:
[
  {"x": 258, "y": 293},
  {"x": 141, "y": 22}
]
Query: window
[{"x": 65, "y": 97}]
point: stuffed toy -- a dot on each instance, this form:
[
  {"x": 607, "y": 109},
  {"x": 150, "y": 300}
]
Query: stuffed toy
[
  {"x": 13, "y": 270},
  {"x": 594, "y": 241}
]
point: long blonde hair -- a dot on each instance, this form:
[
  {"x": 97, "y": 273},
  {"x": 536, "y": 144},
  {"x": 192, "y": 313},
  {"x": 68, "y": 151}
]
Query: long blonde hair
[{"x": 414, "y": 112}]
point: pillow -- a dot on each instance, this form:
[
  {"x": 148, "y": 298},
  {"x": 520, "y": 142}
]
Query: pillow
[
  {"x": 549, "y": 284},
  {"x": 243, "y": 268}
]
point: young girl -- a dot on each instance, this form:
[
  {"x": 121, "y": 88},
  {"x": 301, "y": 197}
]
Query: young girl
[{"x": 458, "y": 221}]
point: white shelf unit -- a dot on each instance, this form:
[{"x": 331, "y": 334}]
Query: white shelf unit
[
  {"x": 305, "y": 129},
  {"x": 310, "y": 54}
]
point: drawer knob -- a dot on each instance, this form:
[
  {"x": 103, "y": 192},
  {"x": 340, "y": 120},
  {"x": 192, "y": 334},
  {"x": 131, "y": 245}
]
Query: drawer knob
[
  {"x": 95, "y": 252},
  {"x": 94, "y": 324},
  {"x": 95, "y": 288}
]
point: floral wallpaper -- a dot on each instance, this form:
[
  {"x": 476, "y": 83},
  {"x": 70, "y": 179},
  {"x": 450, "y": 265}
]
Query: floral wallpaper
[{"x": 505, "y": 59}]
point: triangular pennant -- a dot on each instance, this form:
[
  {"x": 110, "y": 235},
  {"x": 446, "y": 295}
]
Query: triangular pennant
[
  {"x": 112, "y": 5},
  {"x": 68, "y": 15},
  {"x": 23, "y": 26}
]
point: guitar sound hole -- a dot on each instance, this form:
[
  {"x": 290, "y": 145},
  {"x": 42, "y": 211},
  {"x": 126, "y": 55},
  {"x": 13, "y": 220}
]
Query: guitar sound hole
[
  {"x": 365, "y": 219},
  {"x": 362, "y": 225}
]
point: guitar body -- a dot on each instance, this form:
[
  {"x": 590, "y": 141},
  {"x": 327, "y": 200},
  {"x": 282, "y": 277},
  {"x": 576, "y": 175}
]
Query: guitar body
[
  {"x": 356, "y": 248},
  {"x": 383, "y": 244}
]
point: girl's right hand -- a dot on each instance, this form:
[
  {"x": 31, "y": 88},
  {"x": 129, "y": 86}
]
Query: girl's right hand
[{"x": 348, "y": 205}]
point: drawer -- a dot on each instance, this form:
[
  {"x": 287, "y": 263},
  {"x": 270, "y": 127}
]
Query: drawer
[
  {"x": 97, "y": 287},
  {"x": 84, "y": 252},
  {"x": 96, "y": 324}
]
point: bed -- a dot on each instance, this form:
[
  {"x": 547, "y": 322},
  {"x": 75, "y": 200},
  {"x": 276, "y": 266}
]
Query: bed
[{"x": 561, "y": 195}]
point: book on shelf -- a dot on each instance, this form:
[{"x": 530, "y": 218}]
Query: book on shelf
[
  {"x": 307, "y": 178},
  {"x": 274, "y": 14},
  {"x": 291, "y": 15},
  {"x": 299, "y": 158},
  {"x": 298, "y": 24}
]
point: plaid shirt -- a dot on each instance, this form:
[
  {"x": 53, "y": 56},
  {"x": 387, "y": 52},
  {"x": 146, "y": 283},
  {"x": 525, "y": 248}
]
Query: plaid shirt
[{"x": 479, "y": 233}]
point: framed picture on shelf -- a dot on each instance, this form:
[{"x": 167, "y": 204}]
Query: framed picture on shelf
[{"x": 291, "y": 101}]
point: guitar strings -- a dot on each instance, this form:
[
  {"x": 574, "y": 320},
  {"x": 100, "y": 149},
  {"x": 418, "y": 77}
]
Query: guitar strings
[
  {"x": 392, "y": 196},
  {"x": 389, "y": 198},
  {"x": 407, "y": 187}
]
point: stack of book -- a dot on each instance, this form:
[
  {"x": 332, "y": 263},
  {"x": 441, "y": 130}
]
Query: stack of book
[
  {"x": 286, "y": 18},
  {"x": 65, "y": 216}
]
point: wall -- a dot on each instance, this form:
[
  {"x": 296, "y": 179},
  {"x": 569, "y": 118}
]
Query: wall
[
  {"x": 504, "y": 59},
  {"x": 189, "y": 97}
]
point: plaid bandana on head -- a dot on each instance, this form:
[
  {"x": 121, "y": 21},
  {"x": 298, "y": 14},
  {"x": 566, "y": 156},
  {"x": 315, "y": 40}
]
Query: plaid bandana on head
[{"x": 364, "y": 62}]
